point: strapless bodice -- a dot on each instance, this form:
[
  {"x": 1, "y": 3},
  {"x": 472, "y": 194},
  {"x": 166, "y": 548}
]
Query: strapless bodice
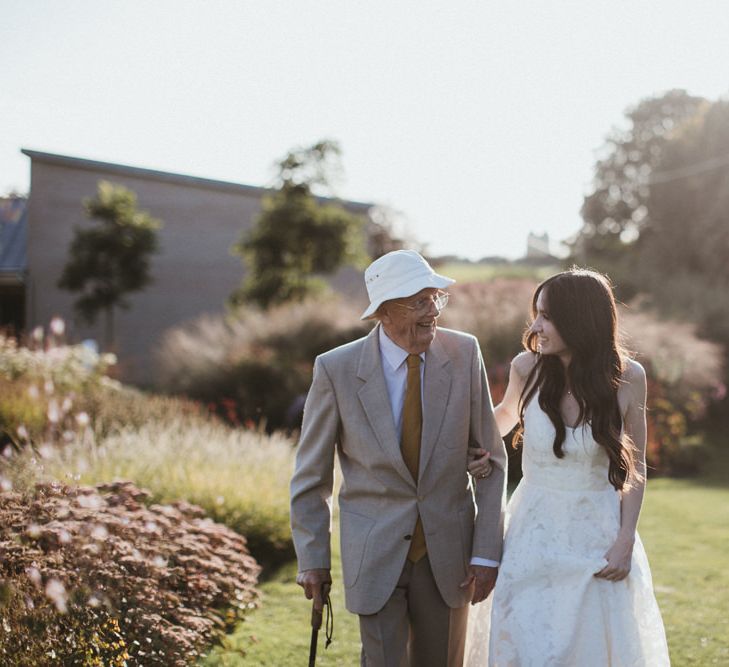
[{"x": 584, "y": 465}]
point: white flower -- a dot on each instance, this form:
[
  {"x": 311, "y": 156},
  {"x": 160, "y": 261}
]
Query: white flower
[
  {"x": 109, "y": 358},
  {"x": 33, "y": 392},
  {"x": 34, "y": 575},
  {"x": 37, "y": 334},
  {"x": 57, "y": 326},
  {"x": 53, "y": 412},
  {"x": 45, "y": 450},
  {"x": 48, "y": 387},
  {"x": 56, "y": 592},
  {"x": 90, "y": 502},
  {"x": 99, "y": 532},
  {"x": 22, "y": 432},
  {"x": 82, "y": 419}
]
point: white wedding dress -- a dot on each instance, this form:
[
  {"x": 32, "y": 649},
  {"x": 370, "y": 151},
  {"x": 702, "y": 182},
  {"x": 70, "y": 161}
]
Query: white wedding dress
[{"x": 548, "y": 608}]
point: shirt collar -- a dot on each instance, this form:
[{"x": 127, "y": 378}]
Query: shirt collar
[{"x": 392, "y": 352}]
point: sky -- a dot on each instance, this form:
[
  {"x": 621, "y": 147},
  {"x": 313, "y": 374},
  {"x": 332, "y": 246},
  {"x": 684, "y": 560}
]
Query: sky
[{"x": 476, "y": 121}]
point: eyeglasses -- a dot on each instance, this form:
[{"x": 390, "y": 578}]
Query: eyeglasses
[{"x": 422, "y": 305}]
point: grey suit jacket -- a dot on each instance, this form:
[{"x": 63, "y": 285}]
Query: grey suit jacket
[{"x": 348, "y": 411}]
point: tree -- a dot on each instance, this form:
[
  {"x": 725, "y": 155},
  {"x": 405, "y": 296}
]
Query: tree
[
  {"x": 658, "y": 220},
  {"x": 110, "y": 260},
  {"x": 297, "y": 237},
  {"x": 684, "y": 253},
  {"x": 616, "y": 212}
]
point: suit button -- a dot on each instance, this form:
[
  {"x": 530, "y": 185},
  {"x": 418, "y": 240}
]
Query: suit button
[{"x": 408, "y": 537}]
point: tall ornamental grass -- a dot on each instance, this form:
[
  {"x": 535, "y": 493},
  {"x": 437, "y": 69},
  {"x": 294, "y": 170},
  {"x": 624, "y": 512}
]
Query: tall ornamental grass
[{"x": 253, "y": 367}]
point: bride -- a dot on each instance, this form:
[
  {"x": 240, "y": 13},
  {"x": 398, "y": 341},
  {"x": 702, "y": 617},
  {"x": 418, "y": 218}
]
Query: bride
[{"x": 574, "y": 587}]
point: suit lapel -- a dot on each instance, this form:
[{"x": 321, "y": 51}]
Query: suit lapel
[
  {"x": 437, "y": 387},
  {"x": 376, "y": 402}
]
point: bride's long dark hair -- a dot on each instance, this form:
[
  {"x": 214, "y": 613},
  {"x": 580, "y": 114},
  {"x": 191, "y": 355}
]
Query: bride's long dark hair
[{"x": 581, "y": 306}]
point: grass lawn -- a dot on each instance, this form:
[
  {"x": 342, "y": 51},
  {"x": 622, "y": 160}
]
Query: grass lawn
[
  {"x": 278, "y": 634},
  {"x": 685, "y": 529}
]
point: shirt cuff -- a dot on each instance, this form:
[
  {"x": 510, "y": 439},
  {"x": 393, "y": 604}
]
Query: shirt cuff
[{"x": 485, "y": 562}]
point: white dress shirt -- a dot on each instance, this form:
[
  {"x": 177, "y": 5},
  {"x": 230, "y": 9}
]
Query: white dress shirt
[{"x": 396, "y": 377}]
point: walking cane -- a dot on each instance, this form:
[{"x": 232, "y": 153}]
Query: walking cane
[{"x": 316, "y": 619}]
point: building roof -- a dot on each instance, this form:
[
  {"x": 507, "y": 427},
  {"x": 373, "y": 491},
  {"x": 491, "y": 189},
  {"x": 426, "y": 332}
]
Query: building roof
[
  {"x": 164, "y": 176},
  {"x": 13, "y": 234}
]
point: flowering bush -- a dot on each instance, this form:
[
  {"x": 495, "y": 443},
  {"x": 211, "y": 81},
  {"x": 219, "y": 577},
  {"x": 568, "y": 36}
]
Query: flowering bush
[
  {"x": 47, "y": 387},
  {"x": 48, "y": 359},
  {"x": 684, "y": 376},
  {"x": 95, "y": 577}
]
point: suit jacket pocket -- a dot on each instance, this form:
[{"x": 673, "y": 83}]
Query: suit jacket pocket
[{"x": 355, "y": 530}]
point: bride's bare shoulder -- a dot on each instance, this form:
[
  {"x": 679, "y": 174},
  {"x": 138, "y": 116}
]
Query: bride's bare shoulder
[
  {"x": 632, "y": 389},
  {"x": 523, "y": 363},
  {"x": 633, "y": 373}
]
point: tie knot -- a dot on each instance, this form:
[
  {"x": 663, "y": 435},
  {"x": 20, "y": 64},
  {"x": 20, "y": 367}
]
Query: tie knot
[{"x": 413, "y": 361}]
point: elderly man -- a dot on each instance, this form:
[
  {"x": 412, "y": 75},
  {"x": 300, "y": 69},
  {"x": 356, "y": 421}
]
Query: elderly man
[{"x": 401, "y": 408}]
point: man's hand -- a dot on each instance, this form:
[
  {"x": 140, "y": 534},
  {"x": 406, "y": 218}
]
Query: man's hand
[
  {"x": 484, "y": 579},
  {"x": 316, "y": 584}
]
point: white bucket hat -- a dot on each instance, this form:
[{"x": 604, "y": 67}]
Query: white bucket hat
[{"x": 399, "y": 274}]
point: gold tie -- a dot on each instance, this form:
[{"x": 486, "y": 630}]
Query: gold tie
[{"x": 412, "y": 429}]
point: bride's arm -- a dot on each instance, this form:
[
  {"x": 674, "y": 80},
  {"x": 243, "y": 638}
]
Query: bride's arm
[
  {"x": 634, "y": 398},
  {"x": 506, "y": 412}
]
